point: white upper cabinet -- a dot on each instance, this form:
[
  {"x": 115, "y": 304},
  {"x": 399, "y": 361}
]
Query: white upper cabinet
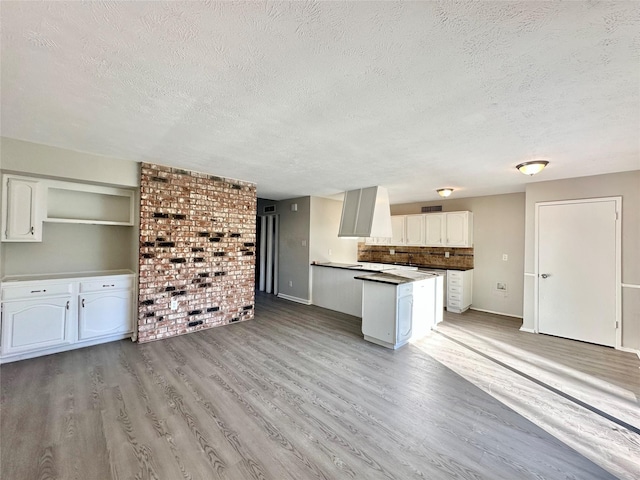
[
  {"x": 450, "y": 229},
  {"x": 21, "y": 210},
  {"x": 459, "y": 229},
  {"x": 414, "y": 230},
  {"x": 397, "y": 230},
  {"x": 435, "y": 230}
]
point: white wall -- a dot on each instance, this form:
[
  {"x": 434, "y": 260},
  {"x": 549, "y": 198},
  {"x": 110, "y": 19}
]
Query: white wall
[
  {"x": 293, "y": 247},
  {"x": 325, "y": 245},
  {"x": 306, "y": 235},
  {"x": 625, "y": 184},
  {"x": 43, "y": 160},
  {"x": 498, "y": 228},
  {"x": 99, "y": 248}
]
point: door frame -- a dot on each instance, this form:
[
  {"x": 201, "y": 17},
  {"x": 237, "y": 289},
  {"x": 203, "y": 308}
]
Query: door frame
[{"x": 618, "y": 259}]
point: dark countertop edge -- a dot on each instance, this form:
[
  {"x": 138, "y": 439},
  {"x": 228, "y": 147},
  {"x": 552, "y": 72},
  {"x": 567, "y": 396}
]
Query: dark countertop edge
[
  {"x": 434, "y": 267},
  {"x": 346, "y": 266},
  {"x": 350, "y": 266}
]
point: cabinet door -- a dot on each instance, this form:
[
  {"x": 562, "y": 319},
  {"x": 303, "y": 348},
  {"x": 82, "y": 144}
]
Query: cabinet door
[
  {"x": 397, "y": 229},
  {"x": 404, "y": 319},
  {"x": 414, "y": 230},
  {"x": 457, "y": 229},
  {"x": 104, "y": 313},
  {"x": 35, "y": 324},
  {"x": 434, "y": 229},
  {"x": 21, "y": 219}
]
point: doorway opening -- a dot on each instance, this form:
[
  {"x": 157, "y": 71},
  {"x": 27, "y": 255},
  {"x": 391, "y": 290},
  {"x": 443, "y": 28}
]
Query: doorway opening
[{"x": 267, "y": 253}]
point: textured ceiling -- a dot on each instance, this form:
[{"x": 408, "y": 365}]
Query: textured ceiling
[{"x": 314, "y": 98}]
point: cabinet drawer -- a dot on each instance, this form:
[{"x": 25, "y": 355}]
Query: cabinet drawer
[
  {"x": 106, "y": 283},
  {"x": 34, "y": 291},
  {"x": 453, "y": 303},
  {"x": 454, "y": 296},
  {"x": 457, "y": 274},
  {"x": 454, "y": 282},
  {"x": 455, "y": 289}
]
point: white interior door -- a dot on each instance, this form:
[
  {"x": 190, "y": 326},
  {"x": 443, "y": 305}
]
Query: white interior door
[{"x": 577, "y": 246}]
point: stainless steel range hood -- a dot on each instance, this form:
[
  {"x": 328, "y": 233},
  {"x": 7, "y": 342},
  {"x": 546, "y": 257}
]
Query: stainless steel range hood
[{"x": 366, "y": 213}]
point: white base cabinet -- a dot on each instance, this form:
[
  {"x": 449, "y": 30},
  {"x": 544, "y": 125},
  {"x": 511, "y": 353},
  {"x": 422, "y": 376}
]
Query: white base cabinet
[
  {"x": 392, "y": 315},
  {"x": 102, "y": 314},
  {"x": 459, "y": 290},
  {"x": 35, "y": 324},
  {"x": 40, "y": 317}
]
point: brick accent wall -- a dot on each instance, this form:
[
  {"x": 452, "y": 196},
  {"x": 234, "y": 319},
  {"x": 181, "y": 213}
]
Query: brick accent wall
[{"x": 197, "y": 247}]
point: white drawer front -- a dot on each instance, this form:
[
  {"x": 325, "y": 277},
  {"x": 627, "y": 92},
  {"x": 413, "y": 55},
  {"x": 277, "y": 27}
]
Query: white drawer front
[
  {"x": 454, "y": 274},
  {"x": 455, "y": 289},
  {"x": 18, "y": 292},
  {"x": 453, "y": 303},
  {"x": 453, "y": 282},
  {"x": 106, "y": 283}
]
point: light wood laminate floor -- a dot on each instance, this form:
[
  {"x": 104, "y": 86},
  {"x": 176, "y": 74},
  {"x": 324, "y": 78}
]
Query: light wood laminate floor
[{"x": 298, "y": 394}]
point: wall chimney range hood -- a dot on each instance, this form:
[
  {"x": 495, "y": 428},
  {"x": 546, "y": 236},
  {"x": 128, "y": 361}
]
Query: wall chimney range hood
[{"x": 366, "y": 213}]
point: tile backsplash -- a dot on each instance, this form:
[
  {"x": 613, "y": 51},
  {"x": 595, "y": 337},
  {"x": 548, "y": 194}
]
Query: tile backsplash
[{"x": 426, "y": 256}]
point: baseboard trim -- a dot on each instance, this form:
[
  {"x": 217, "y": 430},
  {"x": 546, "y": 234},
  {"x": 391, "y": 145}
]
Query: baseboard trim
[
  {"x": 291, "y": 298},
  {"x": 527, "y": 330},
  {"x": 496, "y": 313},
  {"x": 630, "y": 350}
]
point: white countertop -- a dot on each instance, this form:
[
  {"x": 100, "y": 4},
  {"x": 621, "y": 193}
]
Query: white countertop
[
  {"x": 62, "y": 276},
  {"x": 397, "y": 276}
]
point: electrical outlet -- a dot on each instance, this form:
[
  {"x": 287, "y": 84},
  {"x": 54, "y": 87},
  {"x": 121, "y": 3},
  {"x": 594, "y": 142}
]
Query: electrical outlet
[
  {"x": 290, "y": 283},
  {"x": 505, "y": 257},
  {"x": 174, "y": 304},
  {"x": 392, "y": 251},
  {"x": 446, "y": 254},
  {"x": 501, "y": 286}
]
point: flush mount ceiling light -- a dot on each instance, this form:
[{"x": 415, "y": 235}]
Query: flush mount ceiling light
[
  {"x": 531, "y": 168},
  {"x": 444, "y": 192}
]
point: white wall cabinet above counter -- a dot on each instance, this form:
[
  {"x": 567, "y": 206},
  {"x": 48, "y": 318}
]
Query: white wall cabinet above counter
[
  {"x": 21, "y": 210},
  {"x": 447, "y": 229},
  {"x": 28, "y": 202}
]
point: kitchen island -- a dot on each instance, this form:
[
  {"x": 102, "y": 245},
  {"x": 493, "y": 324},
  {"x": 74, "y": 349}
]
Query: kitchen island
[
  {"x": 333, "y": 285},
  {"x": 399, "y": 306}
]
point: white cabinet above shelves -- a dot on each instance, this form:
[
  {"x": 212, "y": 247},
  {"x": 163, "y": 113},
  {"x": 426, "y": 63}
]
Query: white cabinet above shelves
[{"x": 28, "y": 202}]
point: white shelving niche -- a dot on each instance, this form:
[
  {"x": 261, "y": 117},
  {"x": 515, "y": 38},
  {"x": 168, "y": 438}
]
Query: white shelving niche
[{"x": 69, "y": 202}]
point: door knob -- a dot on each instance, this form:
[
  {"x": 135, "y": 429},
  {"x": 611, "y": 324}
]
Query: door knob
[{"x": 544, "y": 275}]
